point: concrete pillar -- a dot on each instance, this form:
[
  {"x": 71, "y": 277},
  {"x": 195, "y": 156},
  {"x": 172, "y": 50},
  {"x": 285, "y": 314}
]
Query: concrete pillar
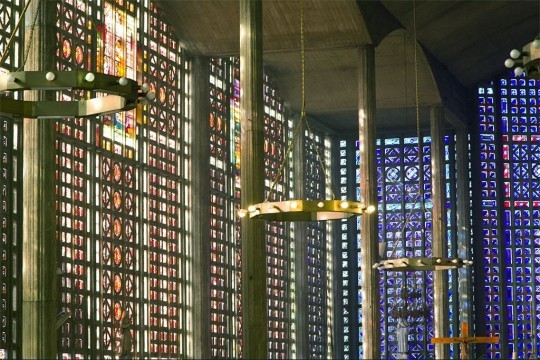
[
  {"x": 39, "y": 303},
  {"x": 464, "y": 231},
  {"x": 368, "y": 194},
  {"x": 301, "y": 254},
  {"x": 200, "y": 206},
  {"x": 439, "y": 242},
  {"x": 255, "y": 341}
]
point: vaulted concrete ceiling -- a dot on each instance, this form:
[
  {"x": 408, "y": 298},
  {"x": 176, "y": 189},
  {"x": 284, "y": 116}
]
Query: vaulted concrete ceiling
[{"x": 463, "y": 43}]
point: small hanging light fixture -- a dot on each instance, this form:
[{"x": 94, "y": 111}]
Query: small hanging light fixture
[
  {"x": 121, "y": 94},
  {"x": 526, "y": 61},
  {"x": 302, "y": 209}
]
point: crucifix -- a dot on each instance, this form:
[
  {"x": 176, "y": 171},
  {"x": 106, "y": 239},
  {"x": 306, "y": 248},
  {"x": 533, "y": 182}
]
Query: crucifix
[{"x": 465, "y": 340}]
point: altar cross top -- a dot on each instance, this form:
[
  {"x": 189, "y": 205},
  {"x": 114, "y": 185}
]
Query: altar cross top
[{"x": 465, "y": 340}]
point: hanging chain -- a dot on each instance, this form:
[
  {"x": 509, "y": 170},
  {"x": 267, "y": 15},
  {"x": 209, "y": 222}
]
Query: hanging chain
[
  {"x": 303, "y": 118},
  {"x": 321, "y": 159},
  {"x": 417, "y": 106},
  {"x": 303, "y": 62},
  {"x": 12, "y": 37},
  {"x": 31, "y": 37},
  {"x": 420, "y": 142},
  {"x": 416, "y": 87}
]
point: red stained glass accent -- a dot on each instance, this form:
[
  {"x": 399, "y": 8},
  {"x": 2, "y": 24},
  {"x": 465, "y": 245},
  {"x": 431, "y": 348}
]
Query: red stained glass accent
[
  {"x": 66, "y": 48},
  {"x": 117, "y": 255},
  {"x": 117, "y": 283},
  {"x": 117, "y": 172},
  {"x": 117, "y": 227},
  {"x": 117, "y": 200}
]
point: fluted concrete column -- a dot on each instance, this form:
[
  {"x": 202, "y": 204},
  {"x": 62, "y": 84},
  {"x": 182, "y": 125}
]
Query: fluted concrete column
[
  {"x": 439, "y": 242},
  {"x": 200, "y": 206},
  {"x": 368, "y": 193},
  {"x": 39, "y": 303},
  {"x": 301, "y": 253},
  {"x": 464, "y": 233},
  {"x": 252, "y": 161}
]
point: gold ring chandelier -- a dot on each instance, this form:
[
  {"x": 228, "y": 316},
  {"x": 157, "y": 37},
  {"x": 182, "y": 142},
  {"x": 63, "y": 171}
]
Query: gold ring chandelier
[
  {"x": 303, "y": 209},
  {"x": 111, "y": 93},
  {"x": 121, "y": 94}
]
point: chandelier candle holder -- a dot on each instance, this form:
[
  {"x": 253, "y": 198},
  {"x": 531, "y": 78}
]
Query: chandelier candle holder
[
  {"x": 305, "y": 210},
  {"x": 526, "y": 61},
  {"x": 117, "y": 94},
  {"x": 421, "y": 264}
]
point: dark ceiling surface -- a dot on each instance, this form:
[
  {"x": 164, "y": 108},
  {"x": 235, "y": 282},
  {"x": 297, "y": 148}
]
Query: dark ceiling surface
[{"x": 463, "y": 43}]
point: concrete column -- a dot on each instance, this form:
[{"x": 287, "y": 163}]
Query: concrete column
[
  {"x": 464, "y": 231},
  {"x": 439, "y": 242},
  {"x": 368, "y": 194},
  {"x": 200, "y": 205},
  {"x": 255, "y": 342},
  {"x": 39, "y": 303},
  {"x": 300, "y": 245}
]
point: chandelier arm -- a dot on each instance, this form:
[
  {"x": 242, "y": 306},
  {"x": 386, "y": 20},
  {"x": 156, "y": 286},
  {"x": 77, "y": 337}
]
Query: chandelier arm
[{"x": 12, "y": 37}]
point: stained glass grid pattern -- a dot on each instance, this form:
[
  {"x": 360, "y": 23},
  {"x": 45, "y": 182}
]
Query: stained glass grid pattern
[
  {"x": 10, "y": 246},
  {"x": 120, "y": 204},
  {"x": 406, "y": 219},
  {"x": 226, "y": 277},
  {"x": 292, "y": 264},
  {"x": 223, "y": 283},
  {"x": 235, "y": 149},
  {"x": 9, "y": 14},
  {"x": 315, "y": 188},
  {"x": 400, "y": 166},
  {"x": 493, "y": 281},
  {"x": 163, "y": 148},
  {"x": 450, "y": 186},
  {"x": 119, "y": 288},
  {"x": 520, "y": 199},
  {"x": 329, "y": 249},
  {"x": 277, "y": 233},
  {"x": 10, "y": 196},
  {"x": 75, "y": 165},
  {"x": 346, "y": 264},
  {"x": 509, "y": 200}
]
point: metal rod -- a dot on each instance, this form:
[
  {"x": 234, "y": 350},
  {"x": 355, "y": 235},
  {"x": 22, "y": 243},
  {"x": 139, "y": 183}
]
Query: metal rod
[{"x": 12, "y": 37}]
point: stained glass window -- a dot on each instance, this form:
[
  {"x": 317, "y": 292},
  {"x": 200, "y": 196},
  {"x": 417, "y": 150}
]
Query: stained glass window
[
  {"x": 225, "y": 294},
  {"x": 10, "y": 197},
  {"x": 225, "y": 258},
  {"x": 347, "y": 265},
  {"x": 509, "y": 201},
  {"x": 406, "y": 220},
  {"x": 319, "y": 264},
  {"x": 10, "y": 231},
  {"x": 404, "y": 212},
  {"x": 277, "y": 233},
  {"x": 120, "y": 187}
]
